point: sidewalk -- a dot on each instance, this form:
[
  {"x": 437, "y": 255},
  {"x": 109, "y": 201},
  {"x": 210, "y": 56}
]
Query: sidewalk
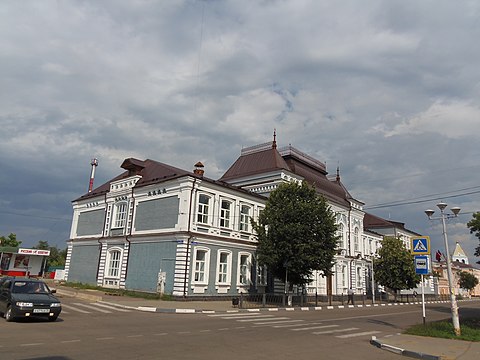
[{"x": 417, "y": 347}]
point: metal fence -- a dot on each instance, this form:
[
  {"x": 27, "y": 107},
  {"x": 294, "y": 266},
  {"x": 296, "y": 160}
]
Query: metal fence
[{"x": 252, "y": 301}]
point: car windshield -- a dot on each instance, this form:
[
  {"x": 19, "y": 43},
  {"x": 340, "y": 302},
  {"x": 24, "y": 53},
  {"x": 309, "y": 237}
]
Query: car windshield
[{"x": 29, "y": 287}]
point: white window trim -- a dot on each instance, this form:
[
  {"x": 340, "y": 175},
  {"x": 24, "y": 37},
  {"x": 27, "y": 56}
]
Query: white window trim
[
  {"x": 241, "y": 215},
  {"x": 230, "y": 210},
  {"x": 112, "y": 278},
  {"x": 115, "y": 222},
  {"x": 228, "y": 280},
  {"x": 356, "y": 240},
  {"x": 262, "y": 280},
  {"x": 249, "y": 269},
  {"x": 209, "y": 209},
  {"x": 206, "y": 269}
]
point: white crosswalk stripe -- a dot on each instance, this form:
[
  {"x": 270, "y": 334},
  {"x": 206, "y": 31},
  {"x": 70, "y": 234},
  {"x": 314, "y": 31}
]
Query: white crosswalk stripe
[
  {"x": 74, "y": 309},
  {"x": 358, "y": 334},
  {"x": 112, "y": 307},
  {"x": 93, "y": 308},
  {"x": 278, "y": 322}
]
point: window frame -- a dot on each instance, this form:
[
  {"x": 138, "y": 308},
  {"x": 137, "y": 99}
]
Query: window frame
[
  {"x": 224, "y": 268},
  {"x": 225, "y": 214},
  {"x": 120, "y": 218},
  {"x": 203, "y": 209},
  {"x": 244, "y": 220},
  {"x": 109, "y": 261},
  {"x": 248, "y": 269},
  {"x": 206, "y": 266}
]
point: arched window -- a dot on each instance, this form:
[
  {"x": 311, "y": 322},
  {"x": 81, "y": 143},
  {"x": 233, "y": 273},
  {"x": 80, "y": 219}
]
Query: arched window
[{"x": 341, "y": 236}]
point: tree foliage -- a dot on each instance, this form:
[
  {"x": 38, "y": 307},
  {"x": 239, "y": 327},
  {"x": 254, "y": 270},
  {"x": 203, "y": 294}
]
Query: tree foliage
[
  {"x": 474, "y": 226},
  {"x": 296, "y": 232},
  {"x": 395, "y": 267},
  {"x": 57, "y": 257},
  {"x": 467, "y": 280},
  {"x": 10, "y": 240}
]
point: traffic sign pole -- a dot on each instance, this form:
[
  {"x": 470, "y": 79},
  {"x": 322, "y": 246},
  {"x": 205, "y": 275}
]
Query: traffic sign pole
[{"x": 423, "y": 298}]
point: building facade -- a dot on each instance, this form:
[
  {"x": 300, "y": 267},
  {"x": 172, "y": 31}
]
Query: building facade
[{"x": 159, "y": 228}]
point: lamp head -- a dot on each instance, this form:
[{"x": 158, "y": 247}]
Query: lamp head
[
  {"x": 441, "y": 205},
  {"x": 429, "y": 213},
  {"x": 455, "y": 210}
]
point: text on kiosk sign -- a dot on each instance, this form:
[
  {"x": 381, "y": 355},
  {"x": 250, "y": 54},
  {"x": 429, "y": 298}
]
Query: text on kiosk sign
[{"x": 34, "y": 252}]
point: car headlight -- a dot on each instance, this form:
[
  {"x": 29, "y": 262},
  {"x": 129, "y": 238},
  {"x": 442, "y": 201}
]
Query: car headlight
[
  {"x": 55, "y": 305},
  {"x": 24, "y": 304}
]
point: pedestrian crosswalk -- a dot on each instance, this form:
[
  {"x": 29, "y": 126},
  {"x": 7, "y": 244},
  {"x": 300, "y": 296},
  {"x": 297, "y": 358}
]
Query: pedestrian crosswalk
[
  {"x": 91, "y": 308},
  {"x": 258, "y": 320}
]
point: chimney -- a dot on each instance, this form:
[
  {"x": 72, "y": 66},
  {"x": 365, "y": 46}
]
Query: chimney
[{"x": 199, "y": 169}]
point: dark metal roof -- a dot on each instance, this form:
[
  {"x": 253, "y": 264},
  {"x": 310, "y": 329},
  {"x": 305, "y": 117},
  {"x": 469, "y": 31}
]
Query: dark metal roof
[
  {"x": 253, "y": 163},
  {"x": 153, "y": 172},
  {"x": 264, "y": 158}
]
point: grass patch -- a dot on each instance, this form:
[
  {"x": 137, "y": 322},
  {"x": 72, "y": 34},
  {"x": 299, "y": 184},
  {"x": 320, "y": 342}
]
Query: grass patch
[
  {"x": 470, "y": 329},
  {"x": 120, "y": 292}
]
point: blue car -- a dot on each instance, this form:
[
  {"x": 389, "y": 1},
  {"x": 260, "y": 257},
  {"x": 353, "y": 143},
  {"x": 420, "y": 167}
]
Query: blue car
[{"x": 24, "y": 297}]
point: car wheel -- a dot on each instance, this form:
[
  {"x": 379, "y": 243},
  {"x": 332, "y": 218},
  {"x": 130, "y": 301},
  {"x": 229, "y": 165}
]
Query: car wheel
[
  {"x": 9, "y": 314},
  {"x": 53, "y": 318}
]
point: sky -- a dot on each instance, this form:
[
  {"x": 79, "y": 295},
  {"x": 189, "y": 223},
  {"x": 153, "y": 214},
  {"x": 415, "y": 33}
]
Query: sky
[{"x": 388, "y": 91}]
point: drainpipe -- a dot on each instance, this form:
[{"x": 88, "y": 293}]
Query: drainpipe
[{"x": 190, "y": 236}]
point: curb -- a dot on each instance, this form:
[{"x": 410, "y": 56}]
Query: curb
[{"x": 403, "y": 352}]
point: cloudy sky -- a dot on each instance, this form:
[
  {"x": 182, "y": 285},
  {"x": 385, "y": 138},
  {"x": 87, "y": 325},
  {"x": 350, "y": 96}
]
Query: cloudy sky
[{"x": 389, "y": 91}]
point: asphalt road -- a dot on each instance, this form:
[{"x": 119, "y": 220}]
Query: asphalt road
[{"x": 90, "y": 331}]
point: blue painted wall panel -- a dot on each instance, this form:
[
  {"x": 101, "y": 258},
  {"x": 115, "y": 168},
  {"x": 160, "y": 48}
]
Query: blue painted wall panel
[
  {"x": 84, "y": 264},
  {"x": 145, "y": 262}
]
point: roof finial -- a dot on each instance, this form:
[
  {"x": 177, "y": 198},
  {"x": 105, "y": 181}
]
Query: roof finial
[
  {"x": 338, "y": 174},
  {"x": 274, "y": 143}
]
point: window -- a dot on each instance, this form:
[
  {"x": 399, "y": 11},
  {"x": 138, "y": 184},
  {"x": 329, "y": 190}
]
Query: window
[
  {"x": 120, "y": 214},
  {"x": 344, "y": 276},
  {"x": 244, "y": 217},
  {"x": 200, "y": 274},
  {"x": 356, "y": 243},
  {"x": 223, "y": 268},
  {"x": 225, "y": 213},
  {"x": 261, "y": 275},
  {"x": 359, "y": 277},
  {"x": 244, "y": 269},
  {"x": 203, "y": 204},
  {"x": 341, "y": 237},
  {"x": 113, "y": 263}
]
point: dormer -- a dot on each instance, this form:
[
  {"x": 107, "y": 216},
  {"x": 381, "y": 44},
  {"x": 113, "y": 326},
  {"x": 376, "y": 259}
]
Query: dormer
[{"x": 134, "y": 166}]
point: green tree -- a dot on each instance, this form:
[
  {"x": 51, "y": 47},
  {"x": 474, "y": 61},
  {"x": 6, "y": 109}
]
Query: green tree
[
  {"x": 296, "y": 233},
  {"x": 474, "y": 226},
  {"x": 467, "y": 280},
  {"x": 395, "y": 268},
  {"x": 10, "y": 240},
  {"x": 56, "y": 258}
]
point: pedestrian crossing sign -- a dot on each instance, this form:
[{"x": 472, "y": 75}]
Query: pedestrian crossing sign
[{"x": 420, "y": 245}]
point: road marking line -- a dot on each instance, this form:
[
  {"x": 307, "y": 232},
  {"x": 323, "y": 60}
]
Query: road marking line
[
  {"x": 207, "y": 330},
  {"x": 134, "y": 336},
  {"x": 357, "y": 334},
  {"x": 32, "y": 344},
  {"x": 105, "y": 338},
  {"x": 333, "y": 331},
  {"x": 315, "y": 327},
  {"x": 160, "y": 334},
  {"x": 263, "y": 317},
  {"x": 70, "y": 341},
  {"x": 233, "y": 315},
  {"x": 112, "y": 307},
  {"x": 93, "y": 308},
  {"x": 292, "y": 325},
  {"x": 74, "y": 309},
  {"x": 223, "y": 329},
  {"x": 278, "y": 322}
]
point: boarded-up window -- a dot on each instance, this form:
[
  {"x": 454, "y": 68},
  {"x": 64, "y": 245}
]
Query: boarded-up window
[
  {"x": 90, "y": 222},
  {"x": 157, "y": 214}
]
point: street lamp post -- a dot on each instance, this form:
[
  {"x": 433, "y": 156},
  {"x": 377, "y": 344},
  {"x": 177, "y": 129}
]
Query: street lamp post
[{"x": 453, "y": 301}]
